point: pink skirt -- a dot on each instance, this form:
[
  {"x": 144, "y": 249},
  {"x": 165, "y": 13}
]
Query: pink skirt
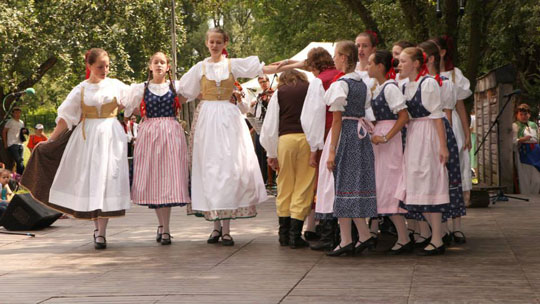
[
  {"x": 160, "y": 170},
  {"x": 388, "y": 169},
  {"x": 425, "y": 179},
  {"x": 324, "y": 208}
]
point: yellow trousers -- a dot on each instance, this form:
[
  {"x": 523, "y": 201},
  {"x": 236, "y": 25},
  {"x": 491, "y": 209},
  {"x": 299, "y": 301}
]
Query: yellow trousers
[{"x": 296, "y": 178}]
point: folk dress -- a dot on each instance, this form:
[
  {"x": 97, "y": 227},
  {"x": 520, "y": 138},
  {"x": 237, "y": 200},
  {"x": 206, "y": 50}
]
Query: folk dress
[
  {"x": 226, "y": 181},
  {"x": 160, "y": 174},
  {"x": 354, "y": 171}
]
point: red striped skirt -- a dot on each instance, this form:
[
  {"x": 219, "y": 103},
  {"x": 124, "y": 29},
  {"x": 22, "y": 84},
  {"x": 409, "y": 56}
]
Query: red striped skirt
[{"x": 160, "y": 167}]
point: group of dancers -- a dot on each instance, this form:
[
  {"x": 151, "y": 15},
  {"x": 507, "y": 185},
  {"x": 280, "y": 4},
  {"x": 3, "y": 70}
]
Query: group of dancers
[
  {"x": 82, "y": 170},
  {"x": 389, "y": 135}
]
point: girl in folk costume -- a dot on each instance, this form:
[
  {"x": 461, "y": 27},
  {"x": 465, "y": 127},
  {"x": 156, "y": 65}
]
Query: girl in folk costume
[
  {"x": 160, "y": 174},
  {"x": 351, "y": 153},
  {"x": 527, "y": 150},
  {"x": 448, "y": 99},
  {"x": 92, "y": 179},
  {"x": 226, "y": 181},
  {"x": 288, "y": 152},
  {"x": 424, "y": 184},
  {"x": 391, "y": 114},
  {"x": 396, "y": 50},
  {"x": 460, "y": 125}
]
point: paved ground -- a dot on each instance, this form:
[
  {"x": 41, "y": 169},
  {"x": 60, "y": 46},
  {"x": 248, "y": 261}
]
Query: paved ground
[{"x": 499, "y": 264}]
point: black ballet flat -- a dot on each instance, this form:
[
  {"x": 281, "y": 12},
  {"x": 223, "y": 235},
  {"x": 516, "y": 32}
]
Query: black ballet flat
[
  {"x": 98, "y": 245},
  {"x": 403, "y": 249},
  {"x": 447, "y": 239},
  {"x": 437, "y": 251},
  {"x": 214, "y": 239},
  {"x": 158, "y": 235},
  {"x": 311, "y": 236},
  {"x": 347, "y": 250},
  {"x": 423, "y": 243},
  {"x": 227, "y": 241},
  {"x": 166, "y": 241},
  {"x": 369, "y": 244},
  {"x": 459, "y": 239}
]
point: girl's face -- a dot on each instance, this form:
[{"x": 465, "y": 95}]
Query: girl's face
[
  {"x": 100, "y": 68},
  {"x": 373, "y": 69},
  {"x": 159, "y": 65},
  {"x": 523, "y": 115},
  {"x": 4, "y": 178},
  {"x": 339, "y": 60},
  {"x": 396, "y": 50},
  {"x": 215, "y": 44},
  {"x": 406, "y": 65},
  {"x": 365, "y": 49}
]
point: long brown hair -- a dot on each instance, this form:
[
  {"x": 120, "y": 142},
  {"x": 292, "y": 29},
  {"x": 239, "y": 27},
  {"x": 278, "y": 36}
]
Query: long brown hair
[
  {"x": 291, "y": 78},
  {"x": 349, "y": 49}
]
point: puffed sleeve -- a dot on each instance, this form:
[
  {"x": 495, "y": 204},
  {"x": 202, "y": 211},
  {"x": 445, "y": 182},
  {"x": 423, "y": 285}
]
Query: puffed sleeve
[
  {"x": 370, "y": 115},
  {"x": 431, "y": 98},
  {"x": 313, "y": 115},
  {"x": 270, "y": 129},
  {"x": 515, "y": 129},
  {"x": 394, "y": 98},
  {"x": 70, "y": 109},
  {"x": 122, "y": 91},
  {"x": 134, "y": 98},
  {"x": 248, "y": 67},
  {"x": 448, "y": 95},
  {"x": 463, "y": 85},
  {"x": 189, "y": 85},
  {"x": 336, "y": 96}
]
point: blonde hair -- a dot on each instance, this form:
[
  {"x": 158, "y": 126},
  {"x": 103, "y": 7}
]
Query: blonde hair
[
  {"x": 348, "y": 49},
  {"x": 291, "y": 78},
  {"x": 415, "y": 54}
]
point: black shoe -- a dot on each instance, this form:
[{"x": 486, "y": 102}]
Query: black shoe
[
  {"x": 227, "y": 241},
  {"x": 375, "y": 238},
  {"x": 214, "y": 239},
  {"x": 327, "y": 241},
  {"x": 447, "y": 239},
  {"x": 459, "y": 239},
  {"x": 403, "y": 249},
  {"x": 311, "y": 236},
  {"x": 422, "y": 244},
  {"x": 284, "y": 227},
  {"x": 435, "y": 251},
  {"x": 166, "y": 241},
  {"x": 158, "y": 235},
  {"x": 367, "y": 244},
  {"x": 295, "y": 234},
  {"x": 347, "y": 250},
  {"x": 99, "y": 245}
]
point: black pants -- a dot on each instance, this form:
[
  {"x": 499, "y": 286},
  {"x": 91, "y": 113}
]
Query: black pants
[
  {"x": 261, "y": 156},
  {"x": 16, "y": 152}
]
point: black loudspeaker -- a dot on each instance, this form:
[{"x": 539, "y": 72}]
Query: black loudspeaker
[
  {"x": 479, "y": 199},
  {"x": 25, "y": 213}
]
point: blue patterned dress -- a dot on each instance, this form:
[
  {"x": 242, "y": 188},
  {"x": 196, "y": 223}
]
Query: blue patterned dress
[{"x": 354, "y": 172}]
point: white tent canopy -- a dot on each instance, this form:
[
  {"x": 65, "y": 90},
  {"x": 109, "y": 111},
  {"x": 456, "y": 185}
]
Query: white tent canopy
[{"x": 253, "y": 85}]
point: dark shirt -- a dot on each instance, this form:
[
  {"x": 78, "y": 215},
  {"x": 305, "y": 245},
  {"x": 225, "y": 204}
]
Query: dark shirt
[{"x": 291, "y": 100}]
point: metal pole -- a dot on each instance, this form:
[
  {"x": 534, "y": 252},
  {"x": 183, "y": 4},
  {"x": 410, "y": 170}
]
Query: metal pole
[{"x": 173, "y": 39}]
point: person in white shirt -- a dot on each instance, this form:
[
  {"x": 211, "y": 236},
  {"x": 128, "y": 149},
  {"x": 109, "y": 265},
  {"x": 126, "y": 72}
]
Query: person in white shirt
[{"x": 12, "y": 139}]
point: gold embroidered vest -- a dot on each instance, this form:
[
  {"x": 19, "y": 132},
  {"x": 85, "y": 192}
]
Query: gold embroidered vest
[
  {"x": 212, "y": 91},
  {"x": 108, "y": 110}
]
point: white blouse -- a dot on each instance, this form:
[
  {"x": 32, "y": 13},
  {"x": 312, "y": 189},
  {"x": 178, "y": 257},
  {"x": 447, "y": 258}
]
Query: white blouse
[
  {"x": 448, "y": 95},
  {"x": 95, "y": 94},
  {"x": 393, "y": 96},
  {"x": 461, "y": 83},
  {"x": 190, "y": 83},
  {"x": 430, "y": 94},
  {"x": 313, "y": 117},
  {"x": 136, "y": 92},
  {"x": 336, "y": 96},
  {"x": 527, "y": 132},
  {"x": 269, "y": 136},
  {"x": 370, "y": 83}
]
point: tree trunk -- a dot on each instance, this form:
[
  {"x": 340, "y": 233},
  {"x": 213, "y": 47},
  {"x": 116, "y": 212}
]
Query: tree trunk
[
  {"x": 359, "y": 7},
  {"x": 476, "y": 41},
  {"x": 415, "y": 18},
  {"x": 451, "y": 21}
]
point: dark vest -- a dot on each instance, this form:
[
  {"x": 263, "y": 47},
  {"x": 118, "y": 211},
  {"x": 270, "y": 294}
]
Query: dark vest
[{"x": 291, "y": 100}]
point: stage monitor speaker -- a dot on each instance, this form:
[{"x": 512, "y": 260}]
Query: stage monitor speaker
[
  {"x": 25, "y": 213},
  {"x": 479, "y": 199}
]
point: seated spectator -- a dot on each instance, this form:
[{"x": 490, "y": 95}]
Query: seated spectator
[
  {"x": 527, "y": 151},
  {"x": 6, "y": 193},
  {"x": 37, "y": 137}
]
